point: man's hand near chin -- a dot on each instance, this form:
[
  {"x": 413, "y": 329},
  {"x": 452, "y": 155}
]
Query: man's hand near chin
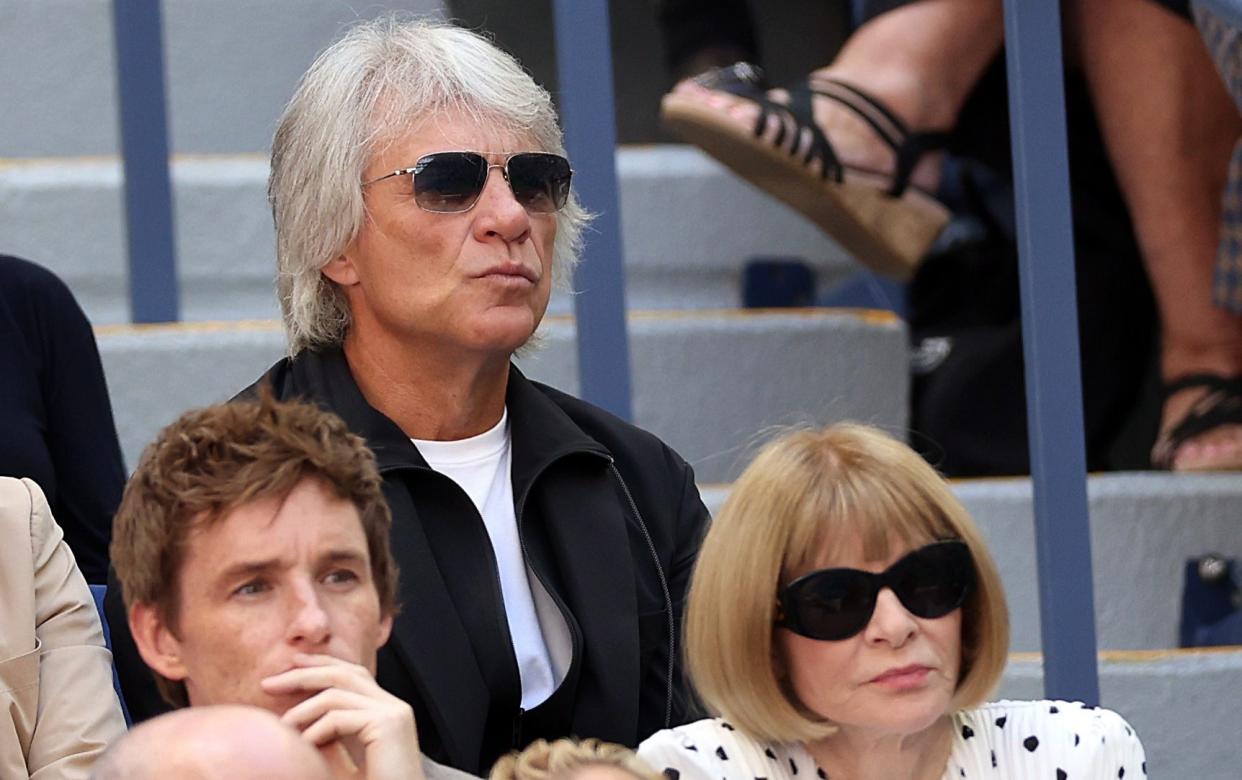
[{"x": 361, "y": 729}]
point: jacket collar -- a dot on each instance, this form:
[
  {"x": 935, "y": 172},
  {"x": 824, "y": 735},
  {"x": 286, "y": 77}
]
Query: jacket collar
[{"x": 540, "y": 430}]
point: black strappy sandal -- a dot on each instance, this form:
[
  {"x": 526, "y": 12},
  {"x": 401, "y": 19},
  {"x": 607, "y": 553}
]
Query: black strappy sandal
[
  {"x": 1221, "y": 405},
  {"x": 884, "y": 221}
]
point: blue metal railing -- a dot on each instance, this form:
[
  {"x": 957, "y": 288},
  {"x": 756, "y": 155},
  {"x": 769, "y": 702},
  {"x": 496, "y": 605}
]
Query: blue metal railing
[
  {"x": 1049, "y": 310},
  {"x": 584, "y": 67},
  {"x": 1050, "y": 347},
  {"x": 139, "y": 39}
]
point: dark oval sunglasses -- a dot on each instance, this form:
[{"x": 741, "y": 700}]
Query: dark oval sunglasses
[
  {"x": 834, "y": 604},
  {"x": 451, "y": 182}
]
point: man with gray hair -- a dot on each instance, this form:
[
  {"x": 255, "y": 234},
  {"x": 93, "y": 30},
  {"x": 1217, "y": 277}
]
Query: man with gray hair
[{"x": 423, "y": 207}]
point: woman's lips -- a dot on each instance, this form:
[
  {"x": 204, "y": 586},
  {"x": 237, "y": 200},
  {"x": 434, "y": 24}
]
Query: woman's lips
[{"x": 903, "y": 678}]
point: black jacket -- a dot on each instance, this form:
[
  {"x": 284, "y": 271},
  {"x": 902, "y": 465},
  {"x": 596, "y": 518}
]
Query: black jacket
[{"x": 609, "y": 519}]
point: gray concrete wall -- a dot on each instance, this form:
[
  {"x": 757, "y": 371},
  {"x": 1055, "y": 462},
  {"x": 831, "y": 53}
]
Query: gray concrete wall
[
  {"x": 688, "y": 227},
  {"x": 705, "y": 383},
  {"x": 230, "y": 67}
]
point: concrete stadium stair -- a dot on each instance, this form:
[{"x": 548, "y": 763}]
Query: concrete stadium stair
[
  {"x": 688, "y": 228},
  {"x": 230, "y": 67},
  {"x": 705, "y": 382}
]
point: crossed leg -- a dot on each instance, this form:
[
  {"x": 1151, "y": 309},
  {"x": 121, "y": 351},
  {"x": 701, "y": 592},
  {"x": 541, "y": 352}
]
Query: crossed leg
[
  {"x": 1168, "y": 125},
  {"x": 1169, "y": 128}
]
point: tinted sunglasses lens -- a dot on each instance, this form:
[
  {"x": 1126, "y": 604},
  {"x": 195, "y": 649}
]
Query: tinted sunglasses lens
[
  {"x": 449, "y": 181},
  {"x": 935, "y": 580},
  {"x": 540, "y": 181},
  {"x": 834, "y": 604}
]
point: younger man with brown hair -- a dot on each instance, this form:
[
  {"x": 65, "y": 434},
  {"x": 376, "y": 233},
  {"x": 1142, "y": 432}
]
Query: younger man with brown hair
[{"x": 252, "y": 547}]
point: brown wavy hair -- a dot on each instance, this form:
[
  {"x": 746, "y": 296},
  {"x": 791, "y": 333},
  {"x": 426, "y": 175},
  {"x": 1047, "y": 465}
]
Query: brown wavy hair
[{"x": 218, "y": 458}]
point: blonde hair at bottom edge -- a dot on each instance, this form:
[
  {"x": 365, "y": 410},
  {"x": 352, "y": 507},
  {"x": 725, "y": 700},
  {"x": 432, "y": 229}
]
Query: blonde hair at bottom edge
[{"x": 563, "y": 759}]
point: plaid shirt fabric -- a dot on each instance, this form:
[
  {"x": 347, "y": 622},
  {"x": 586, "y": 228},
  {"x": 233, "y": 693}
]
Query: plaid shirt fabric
[{"x": 1224, "y": 41}]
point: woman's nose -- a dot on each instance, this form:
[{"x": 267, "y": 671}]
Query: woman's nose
[{"x": 891, "y": 622}]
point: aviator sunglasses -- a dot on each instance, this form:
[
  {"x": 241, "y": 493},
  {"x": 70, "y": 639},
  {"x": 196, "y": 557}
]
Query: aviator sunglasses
[
  {"x": 834, "y": 604},
  {"x": 451, "y": 182}
]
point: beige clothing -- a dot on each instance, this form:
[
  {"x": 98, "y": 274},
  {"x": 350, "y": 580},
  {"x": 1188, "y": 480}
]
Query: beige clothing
[{"x": 58, "y": 710}]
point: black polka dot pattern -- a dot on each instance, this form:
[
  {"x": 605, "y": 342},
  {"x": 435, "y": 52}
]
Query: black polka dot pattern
[{"x": 1041, "y": 740}]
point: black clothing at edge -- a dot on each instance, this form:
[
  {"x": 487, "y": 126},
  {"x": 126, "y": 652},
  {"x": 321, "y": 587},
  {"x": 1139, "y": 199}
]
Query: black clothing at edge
[
  {"x": 55, "y": 418},
  {"x": 450, "y": 654}
]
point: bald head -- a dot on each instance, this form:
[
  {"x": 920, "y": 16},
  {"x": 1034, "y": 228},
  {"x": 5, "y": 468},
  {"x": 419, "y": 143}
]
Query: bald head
[{"x": 206, "y": 743}]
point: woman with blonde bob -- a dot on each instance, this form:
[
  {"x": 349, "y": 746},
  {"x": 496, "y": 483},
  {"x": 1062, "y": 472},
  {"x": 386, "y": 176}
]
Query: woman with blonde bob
[{"x": 845, "y": 620}]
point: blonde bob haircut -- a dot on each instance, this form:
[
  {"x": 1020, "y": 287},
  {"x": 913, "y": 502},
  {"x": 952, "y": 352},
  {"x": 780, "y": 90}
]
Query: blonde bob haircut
[
  {"x": 807, "y": 494},
  {"x": 382, "y": 79},
  {"x": 563, "y": 759}
]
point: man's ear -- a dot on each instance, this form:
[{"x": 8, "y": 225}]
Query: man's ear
[
  {"x": 157, "y": 645},
  {"x": 385, "y": 631},
  {"x": 341, "y": 269}
]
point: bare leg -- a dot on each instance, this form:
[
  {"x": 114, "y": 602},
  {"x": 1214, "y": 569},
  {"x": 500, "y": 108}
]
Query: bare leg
[
  {"x": 1169, "y": 127},
  {"x": 921, "y": 60}
]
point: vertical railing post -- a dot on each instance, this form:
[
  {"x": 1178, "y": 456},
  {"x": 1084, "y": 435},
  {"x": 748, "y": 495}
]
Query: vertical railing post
[
  {"x": 139, "y": 43},
  {"x": 1050, "y": 346},
  {"x": 584, "y": 68}
]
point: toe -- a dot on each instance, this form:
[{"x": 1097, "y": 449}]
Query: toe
[{"x": 1215, "y": 450}]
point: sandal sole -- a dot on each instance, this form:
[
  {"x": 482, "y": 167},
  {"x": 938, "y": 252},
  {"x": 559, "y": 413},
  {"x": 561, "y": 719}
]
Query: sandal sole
[{"x": 889, "y": 235}]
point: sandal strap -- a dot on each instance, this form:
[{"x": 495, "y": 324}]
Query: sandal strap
[
  {"x": 1222, "y": 405},
  {"x": 1203, "y": 380},
  {"x": 908, "y": 147},
  {"x": 817, "y": 146},
  {"x": 748, "y": 81},
  {"x": 809, "y": 142}
]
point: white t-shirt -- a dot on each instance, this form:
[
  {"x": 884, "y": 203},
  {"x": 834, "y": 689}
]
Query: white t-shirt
[{"x": 480, "y": 465}]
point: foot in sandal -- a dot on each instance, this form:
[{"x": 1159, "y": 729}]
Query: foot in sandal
[
  {"x": 827, "y": 148},
  {"x": 1207, "y": 432}
]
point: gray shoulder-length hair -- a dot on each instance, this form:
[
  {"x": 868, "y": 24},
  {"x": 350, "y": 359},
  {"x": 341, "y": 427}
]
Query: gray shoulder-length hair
[{"x": 385, "y": 76}]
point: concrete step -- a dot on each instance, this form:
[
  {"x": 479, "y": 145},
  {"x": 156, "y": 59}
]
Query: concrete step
[
  {"x": 231, "y": 66},
  {"x": 57, "y": 55},
  {"x": 688, "y": 229},
  {"x": 705, "y": 382},
  {"x": 1144, "y": 526},
  {"x": 1182, "y": 703}
]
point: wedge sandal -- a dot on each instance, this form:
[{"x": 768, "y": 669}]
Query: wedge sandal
[{"x": 884, "y": 221}]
